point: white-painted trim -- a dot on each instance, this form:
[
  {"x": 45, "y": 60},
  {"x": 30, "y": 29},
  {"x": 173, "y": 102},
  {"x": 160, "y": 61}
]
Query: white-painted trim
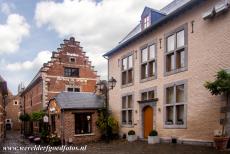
[{"x": 91, "y": 134}]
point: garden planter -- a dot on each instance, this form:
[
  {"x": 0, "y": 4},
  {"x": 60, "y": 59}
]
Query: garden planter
[
  {"x": 31, "y": 138},
  {"x": 37, "y": 140},
  {"x": 153, "y": 139},
  {"x": 132, "y": 138},
  {"x": 221, "y": 142}
]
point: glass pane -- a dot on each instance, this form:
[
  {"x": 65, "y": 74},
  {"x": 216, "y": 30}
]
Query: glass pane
[
  {"x": 123, "y": 78},
  {"x": 130, "y": 76},
  {"x": 180, "y": 39},
  {"x": 124, "y": 117},
  {"x": 180, "y": 114},
  {"x": 152, "y": 52},
  {"x": 170, "y": 62},
  {"x": 144, "y": 55},
  {"x": 130, "y": 61},
  {"x": 171, "y": 43},
  {"x": 169, "y": 115},
  {"x": 180, "y": 59},
  {"x": 180, "y": 93},
  {"x": 70, "y": 89},
  {"x": 130, "y": 119},
  {"x": 169, "y": 95},
  {"x": 144, "y": 96},
  {"x": 123, "y": 102},
  {"x": 124, "y": 64},
  {"x": 130, "y": 101},
  {"x": 151, "y": 68},
  {"x": 151, "y": 94},
  {"x": 144, "y": 71}
]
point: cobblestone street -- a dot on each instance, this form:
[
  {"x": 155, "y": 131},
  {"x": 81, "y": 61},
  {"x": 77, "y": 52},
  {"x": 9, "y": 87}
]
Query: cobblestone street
[{"x": 115, "y": 147}]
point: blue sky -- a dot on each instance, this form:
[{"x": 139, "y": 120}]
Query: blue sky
[{"x": 31, "y": 29}]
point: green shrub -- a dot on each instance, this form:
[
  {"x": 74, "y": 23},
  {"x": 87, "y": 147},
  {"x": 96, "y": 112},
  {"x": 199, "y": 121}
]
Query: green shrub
[
  {"x": 153, "y": 133},
  {"x": 24, "y": 117},
  {"x": 131, "y": 132}
]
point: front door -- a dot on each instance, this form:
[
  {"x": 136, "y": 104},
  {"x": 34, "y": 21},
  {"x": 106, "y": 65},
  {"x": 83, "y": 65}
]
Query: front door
[{"x": 148, "y": 120}]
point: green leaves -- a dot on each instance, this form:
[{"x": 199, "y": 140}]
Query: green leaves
[
  {"x": 37, "y": 116},
  {"x": 220, "y": 85},
  {"x": 24, "y": 117}
]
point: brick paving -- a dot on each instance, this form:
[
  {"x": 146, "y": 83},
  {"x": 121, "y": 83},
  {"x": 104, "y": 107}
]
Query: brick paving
[{"x": 115, "y": 147}]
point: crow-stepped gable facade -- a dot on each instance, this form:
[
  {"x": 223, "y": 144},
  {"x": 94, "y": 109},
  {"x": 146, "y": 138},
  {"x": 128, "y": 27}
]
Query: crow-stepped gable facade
[{"x": 161, "y": 67}]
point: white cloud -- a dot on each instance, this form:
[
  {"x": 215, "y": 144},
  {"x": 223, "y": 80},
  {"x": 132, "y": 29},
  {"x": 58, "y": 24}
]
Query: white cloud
[
  {"x": 7, "y": 8},
  {"x": 99, "y": 26},
  {"x": 12, "y": 33},
  {"x": 37, "y": 62}
]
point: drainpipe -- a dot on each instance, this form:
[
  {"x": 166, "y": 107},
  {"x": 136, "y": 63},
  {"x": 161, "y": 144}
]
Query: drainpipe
[{"x": 62, "y": 127}]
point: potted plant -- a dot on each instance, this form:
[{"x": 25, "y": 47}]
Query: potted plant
[
  {"x": 153, "y": 137},
  {"x": 221, "y": 86},
  {"x": 131, "y": 136}
]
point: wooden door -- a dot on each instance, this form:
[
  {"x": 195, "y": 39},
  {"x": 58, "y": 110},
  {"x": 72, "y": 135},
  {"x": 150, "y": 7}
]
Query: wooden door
[{"x": 148, "y": 121}]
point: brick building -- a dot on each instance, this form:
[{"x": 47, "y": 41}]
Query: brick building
[
  {"x": 169, "y": 55},
  {"x": 13, "y": 111},
  {"x": 73, "y": 116},
  {"x": 68, "y": 70},
  {"x": 3, "y": 100}
]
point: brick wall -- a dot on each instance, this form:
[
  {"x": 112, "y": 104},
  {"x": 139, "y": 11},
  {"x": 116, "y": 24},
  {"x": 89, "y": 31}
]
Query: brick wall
[{"x": 208, "y": 52}]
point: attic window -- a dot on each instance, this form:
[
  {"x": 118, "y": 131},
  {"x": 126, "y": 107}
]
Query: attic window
[
  {"x": 146, "y": 21},
  {"x": 72, "y": 59}
]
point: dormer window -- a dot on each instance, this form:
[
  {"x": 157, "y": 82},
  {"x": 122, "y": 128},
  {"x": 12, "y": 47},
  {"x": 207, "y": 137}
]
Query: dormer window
[{"x": 146, "y": 21}]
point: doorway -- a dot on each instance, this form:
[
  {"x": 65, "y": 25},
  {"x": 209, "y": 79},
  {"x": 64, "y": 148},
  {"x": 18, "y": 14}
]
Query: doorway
[{"x": 148, "y": 120}]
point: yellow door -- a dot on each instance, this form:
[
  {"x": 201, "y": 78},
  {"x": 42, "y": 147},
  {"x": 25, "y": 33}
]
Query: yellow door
[{"x": 148, "y": 121}]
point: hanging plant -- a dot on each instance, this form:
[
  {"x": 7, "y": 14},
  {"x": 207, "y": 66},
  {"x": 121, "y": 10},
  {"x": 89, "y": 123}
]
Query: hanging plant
[{"x": 24, "y": 117}]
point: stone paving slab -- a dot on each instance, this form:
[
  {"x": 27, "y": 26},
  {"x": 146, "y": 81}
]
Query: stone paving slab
[{"x": 114, "y": 147}]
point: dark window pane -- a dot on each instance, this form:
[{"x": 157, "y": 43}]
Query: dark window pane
[
  {"x": 180, "y": 59},
  {"x": 124, "y": 76},
  {"x": 144, "y": 71},
  {"x": 130, "y": 76},
  {"x": 151, "y": 68},
  {"x": 180, "y": 114},
  {"x": 130, "y": 101},
  {"x": 169, "y": 95},
  {"x": 71, "y": 72},
  {"x": 123, "y": 117},
  {"x": 130, "y": 117},
  {"x": 169, "y": 115},
  {"x": 123, "y": 102},
  {"x": 76, "y": 89},
  {"x": 180, "y": 94},
  {"x": 70, "y": 89},
  {"x": 83, "y": 123},
  {"x": 144, "y": 96},
  {"x": 170, "y": 62},
  {"x": 151, "y": 94}
]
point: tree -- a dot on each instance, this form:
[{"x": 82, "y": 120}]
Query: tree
[{"x": 221, "y": 86}]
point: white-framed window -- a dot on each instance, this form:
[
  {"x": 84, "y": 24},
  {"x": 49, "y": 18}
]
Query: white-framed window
[
  {"x": 146, "y": 21},
  {"x": 127, "y": 110},
  {"x": 127, "y": 70},
  {"x": 71, "y": 88}
]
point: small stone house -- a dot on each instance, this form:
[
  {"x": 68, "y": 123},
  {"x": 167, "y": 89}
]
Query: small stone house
[{"x": 72, "y": 116}]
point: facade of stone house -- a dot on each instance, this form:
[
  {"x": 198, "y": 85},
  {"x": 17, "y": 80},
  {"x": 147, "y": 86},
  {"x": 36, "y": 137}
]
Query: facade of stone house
[
  {"x": 3, "y": 101},
  {"x": 68, "y": 70},
  {"x": 13, "y": 111},
  {"x": 161, "y": 67},
  {"x": 73, "y": 116}
]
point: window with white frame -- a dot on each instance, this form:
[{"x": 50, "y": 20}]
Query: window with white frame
[
  {"x": 146, "y": 21},
  {"x": 176, "y": 50},
  {"x": 127, "y": 110},
  {"x": 147, "y": 95},
  {"x": 127, "y": 70},
  {"x": 175, "y": 105},
  {"x": 148, "y": 62}
]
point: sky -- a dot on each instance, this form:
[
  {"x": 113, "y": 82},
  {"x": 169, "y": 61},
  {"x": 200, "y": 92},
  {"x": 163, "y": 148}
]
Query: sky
[{"x": 31, "y": 29}]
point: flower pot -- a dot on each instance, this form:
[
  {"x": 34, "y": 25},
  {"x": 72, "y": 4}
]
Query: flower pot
[
  {"x": 153, "y": 139},
  {"x": 132, "y": 138},
  {"x": 221, "y": 142}
]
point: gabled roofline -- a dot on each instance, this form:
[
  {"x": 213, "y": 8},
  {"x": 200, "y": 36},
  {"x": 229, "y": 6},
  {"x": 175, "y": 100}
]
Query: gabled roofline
[{"x": 164, "y": 19}]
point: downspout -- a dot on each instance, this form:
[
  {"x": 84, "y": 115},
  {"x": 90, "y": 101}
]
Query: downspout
[{"x": 62, "y": 127}]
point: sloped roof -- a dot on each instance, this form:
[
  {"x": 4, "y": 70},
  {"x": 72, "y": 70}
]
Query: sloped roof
[
  {"x": 79, "y": 100},
  {"x": 173, "y": 8}
]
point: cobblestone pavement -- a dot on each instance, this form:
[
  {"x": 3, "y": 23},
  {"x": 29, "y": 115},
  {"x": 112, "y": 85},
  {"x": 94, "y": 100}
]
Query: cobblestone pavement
[{"x": 115, "y": 147}]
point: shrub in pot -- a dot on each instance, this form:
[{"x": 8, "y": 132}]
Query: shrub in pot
[
  {"x": 132, "y": 136},
  {"x": 221, "y": 86},
  {"x": 153, "y": 137}
]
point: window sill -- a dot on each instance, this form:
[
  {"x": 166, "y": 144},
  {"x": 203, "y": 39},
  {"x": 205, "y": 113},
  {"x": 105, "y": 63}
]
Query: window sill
[
  {"x": 90, "y": 134},
  {"x": 127, "y": 85},
  {"x": 175, "y": 126},
  {"x": 183, "y": 69},
  {"x": 148, "y": 79},
  {"x": 127, "y": 126}
]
